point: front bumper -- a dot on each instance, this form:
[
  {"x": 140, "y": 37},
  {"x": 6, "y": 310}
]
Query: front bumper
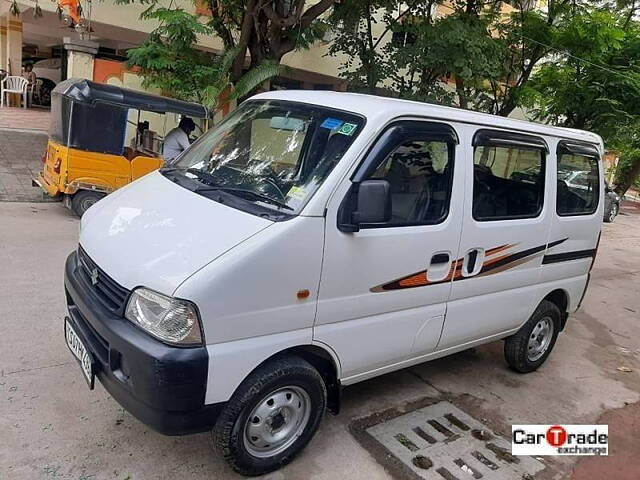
[{"x": 162, "y": 386}]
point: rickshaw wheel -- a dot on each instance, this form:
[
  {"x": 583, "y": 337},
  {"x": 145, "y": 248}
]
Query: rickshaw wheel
[{"x": 84, "y": 199}]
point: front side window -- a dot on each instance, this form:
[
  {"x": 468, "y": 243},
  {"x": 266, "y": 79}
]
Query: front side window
[
  {"x": 419, "y": 173},
  {"x": 508, "y": 182},
  {"x": 271, "y": 154},
  {"x": 578, "y": 184}
]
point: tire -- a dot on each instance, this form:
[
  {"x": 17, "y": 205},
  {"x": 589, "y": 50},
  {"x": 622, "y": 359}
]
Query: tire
[
  {"x": 84, "y": 199},
  {"x": 45, "y": 92},
  {"x": 275, "y": 383},
  {"x": 523, "y": 352},
  {"x": 612, "y": 214}
]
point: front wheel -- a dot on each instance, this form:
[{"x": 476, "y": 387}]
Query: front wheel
[
  {"x": 531, "y": 345},
  {"x": 272, "y": 416},
  {"x": 83, "y": 200}
]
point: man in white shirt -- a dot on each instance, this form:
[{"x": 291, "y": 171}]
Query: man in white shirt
[{"x": 177, "y": 140}]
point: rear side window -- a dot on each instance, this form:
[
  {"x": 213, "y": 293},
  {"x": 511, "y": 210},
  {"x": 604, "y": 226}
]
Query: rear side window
[
  {"x": 508, "y": 176},
  {"x": 578, "y": 179}
]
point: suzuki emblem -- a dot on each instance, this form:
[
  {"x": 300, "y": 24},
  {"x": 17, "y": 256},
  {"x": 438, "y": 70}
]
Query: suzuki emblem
[{"x": 94, "y": 277}]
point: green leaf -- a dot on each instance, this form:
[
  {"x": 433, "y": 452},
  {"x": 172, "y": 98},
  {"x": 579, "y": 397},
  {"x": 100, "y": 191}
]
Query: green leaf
[{"x": 256, "y": 77}]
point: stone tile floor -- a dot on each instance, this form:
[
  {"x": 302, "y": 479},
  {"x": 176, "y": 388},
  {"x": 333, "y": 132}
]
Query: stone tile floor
[{"x": 20, "y": 161}]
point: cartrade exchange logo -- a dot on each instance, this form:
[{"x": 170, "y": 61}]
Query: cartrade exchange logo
[{"x": 560, "y": 440}]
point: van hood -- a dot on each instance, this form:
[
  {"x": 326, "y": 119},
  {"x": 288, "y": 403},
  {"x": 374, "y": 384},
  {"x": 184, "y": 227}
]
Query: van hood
[{"x": 156, "y": 234}]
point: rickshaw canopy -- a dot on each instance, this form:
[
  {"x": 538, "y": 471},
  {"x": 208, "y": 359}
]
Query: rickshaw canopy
[
  {"x": 93, "y": 116},
  {"x": 88, "y": 92}
]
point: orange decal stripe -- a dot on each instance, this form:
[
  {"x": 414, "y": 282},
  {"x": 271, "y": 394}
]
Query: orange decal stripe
[
  {"x": 501, "y": 248},
  {"x": 415, "y": 280}
]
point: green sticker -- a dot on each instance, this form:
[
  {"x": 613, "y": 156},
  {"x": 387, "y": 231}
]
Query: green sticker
[{"x": 347, "y": 129}]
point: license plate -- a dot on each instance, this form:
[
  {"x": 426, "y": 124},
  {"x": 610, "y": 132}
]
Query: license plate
[{"x": 80, "y": 352}]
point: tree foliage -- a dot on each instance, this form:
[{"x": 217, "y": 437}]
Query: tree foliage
[
  {"x": 456, "y": 48},
  {"x": 265, "y": 30},
  {"x": 592, "y": 82},
  {"x": 258, "y": 30},
  {"x": 573, "y": 63}
]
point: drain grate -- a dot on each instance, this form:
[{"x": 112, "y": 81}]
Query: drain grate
[{"x": 441, "y": 442}]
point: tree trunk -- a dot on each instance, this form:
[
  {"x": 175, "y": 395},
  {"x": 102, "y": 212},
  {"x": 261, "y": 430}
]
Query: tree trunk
[
  {"x": 462, "y": 97},
  {"x": 246, "y": 30},
  {"x": 624, "y": 179}
]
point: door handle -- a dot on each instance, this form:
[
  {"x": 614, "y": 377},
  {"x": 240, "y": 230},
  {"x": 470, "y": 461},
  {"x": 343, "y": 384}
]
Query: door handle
[
  {"x": 472, "y": 256},
  {"x": 439, "y": 266},
  {"x": 472, "y": 263},
  {"x": 440, "y": 258}
]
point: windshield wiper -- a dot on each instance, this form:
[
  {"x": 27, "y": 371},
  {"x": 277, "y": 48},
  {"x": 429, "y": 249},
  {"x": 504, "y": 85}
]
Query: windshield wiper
[
  {"x": 203, "y": 175},
  {"x": 244, "y": 192}
]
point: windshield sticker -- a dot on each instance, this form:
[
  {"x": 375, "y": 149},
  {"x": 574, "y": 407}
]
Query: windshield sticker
[
  {"x": 348, "y": 129},
  {"x": 331, "y": 123},
  {"x": 297, "y": 192}
]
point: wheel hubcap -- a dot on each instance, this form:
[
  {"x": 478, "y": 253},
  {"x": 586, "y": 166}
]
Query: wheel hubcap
[
  {"x": 277, "y": 421},
  {"x": 540, "y": 339},
  {"x": 614, "y": 212}
]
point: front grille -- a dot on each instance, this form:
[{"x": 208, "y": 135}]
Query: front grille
[{"x": 106, "y": 290}]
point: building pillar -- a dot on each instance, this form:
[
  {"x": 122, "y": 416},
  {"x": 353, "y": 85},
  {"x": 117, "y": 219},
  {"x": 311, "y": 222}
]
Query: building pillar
[
  {"x": 14, "y": 45},
  {"x": 3, "y": 42},
  {"x": 80, "y": 57}
]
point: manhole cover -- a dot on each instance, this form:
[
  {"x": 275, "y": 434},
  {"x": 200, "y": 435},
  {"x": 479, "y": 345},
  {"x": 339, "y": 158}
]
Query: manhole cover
[{"x": 440, "y": 441}]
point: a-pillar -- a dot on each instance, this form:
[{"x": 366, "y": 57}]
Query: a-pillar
[
  {"x": 14, "y": 45},
  {"x": 80, "y": 57}
]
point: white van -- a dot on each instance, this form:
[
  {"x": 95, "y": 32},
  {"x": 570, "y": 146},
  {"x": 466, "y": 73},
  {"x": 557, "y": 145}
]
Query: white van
[{"x": 317, "y": 239}]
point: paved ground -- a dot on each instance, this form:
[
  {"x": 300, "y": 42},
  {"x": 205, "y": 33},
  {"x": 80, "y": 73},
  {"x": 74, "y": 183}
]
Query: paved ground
[
  {"x": 53, "y": 427},
  {"x": 29, "y": 119},
  {"x": 20, "y": 161}
]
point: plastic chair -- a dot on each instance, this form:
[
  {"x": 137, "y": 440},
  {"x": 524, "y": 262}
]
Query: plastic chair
[{"x": 14, "y": 84}]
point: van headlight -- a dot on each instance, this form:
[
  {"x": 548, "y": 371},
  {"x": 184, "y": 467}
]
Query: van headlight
[{"x": 168, "y": 319}]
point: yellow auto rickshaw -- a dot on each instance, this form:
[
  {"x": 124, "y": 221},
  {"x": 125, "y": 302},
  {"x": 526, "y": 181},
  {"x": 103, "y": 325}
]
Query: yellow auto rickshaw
[{"x": 86, "y": 156}]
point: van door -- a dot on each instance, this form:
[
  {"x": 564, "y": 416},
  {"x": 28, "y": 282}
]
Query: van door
[
  {"x": 504, "y": 236},
  {"x": 384, "y": 287}
]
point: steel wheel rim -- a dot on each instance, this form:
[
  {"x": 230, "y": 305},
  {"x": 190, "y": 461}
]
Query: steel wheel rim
[
  {"x": 613, "y": 212},
  {"x": 277, "y": 421},
  {"x": 540, "y": 339},
  {"x": 88, "y": 203}
]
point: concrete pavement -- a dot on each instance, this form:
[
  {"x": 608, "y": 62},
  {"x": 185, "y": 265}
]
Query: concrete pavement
[{"x": 53, "y": 427}]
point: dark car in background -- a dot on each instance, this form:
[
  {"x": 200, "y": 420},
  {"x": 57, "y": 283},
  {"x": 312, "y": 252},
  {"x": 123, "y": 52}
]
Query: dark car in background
[{"x": 611, "y": 203}]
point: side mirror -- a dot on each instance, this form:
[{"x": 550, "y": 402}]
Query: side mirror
[
  {"x": 373, "y": 203},
  {"x": 368, "y": 202}
]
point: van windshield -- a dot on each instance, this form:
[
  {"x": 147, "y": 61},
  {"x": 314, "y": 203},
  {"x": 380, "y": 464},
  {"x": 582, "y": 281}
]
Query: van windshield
[{"x": 271, "y": 154}]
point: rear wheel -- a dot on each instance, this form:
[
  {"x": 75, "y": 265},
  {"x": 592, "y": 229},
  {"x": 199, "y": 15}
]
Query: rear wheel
[
  {"x": 83, "y": 200},
  {"x": 531, "y": 345},
  {"x": 272, "y": 416}
]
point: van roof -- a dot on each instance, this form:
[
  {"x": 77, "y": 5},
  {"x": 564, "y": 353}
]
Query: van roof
[{"x": 384, "y": 108}]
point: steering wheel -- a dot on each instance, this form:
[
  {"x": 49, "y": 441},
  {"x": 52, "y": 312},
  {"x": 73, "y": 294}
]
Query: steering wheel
[{"x": 272, "y": 178}]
